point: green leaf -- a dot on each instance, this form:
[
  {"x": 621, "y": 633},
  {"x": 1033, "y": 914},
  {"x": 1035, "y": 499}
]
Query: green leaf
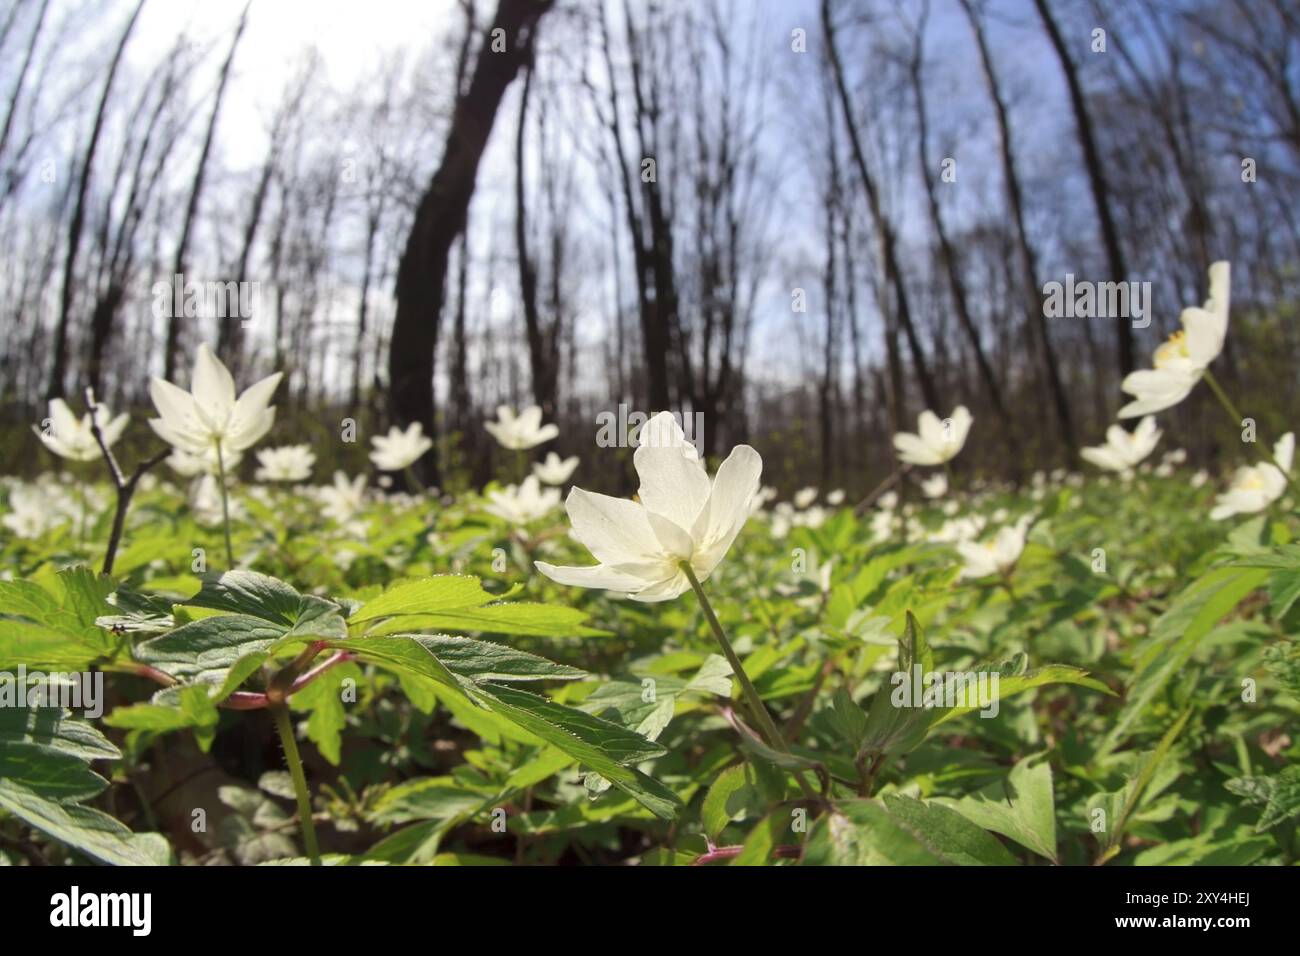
[
  {"x": 260, "y": 596},
  {"x": 137, "y": 613},
  {"x": 1008, "y": 685},
  {"x": 740, "y": 792},
  {"x": 598, "y": 744},
  {"x": 900, "y": 831},
  {"x": 174, "y": 708},
  {"x": 892, "y": 728},
  {"x": 514, "y": 618},
  {"x": 50, "y": 773},
  {"x": 1176, "y": 635},
  {"x": 424, "y": 596},
  {"x": 614, "y": 742},
  {"x": 848, "y": 719},
  {"x": 403, "y": 655},
  {"x": 323, "y": 700},
  {"x": 913, "y": 648},
  {"x": 56, "y": 729},
  {"x": 426, "y": 798},
  {"x": 85, "y": 596},
  {"x": 1280, "y": 795},
  {"x": 1021, "y": 807},
  {"x": 94, "y": 833},
  {"x": 243, "y": 668},
  {"x": 23, "y": 643},
  {"x": 457, "y": 603},
  {"x": 1133, "y": 792},
  {"x": 1283, "y": 663},
  {"x": 206, "y": 649},
  {"x": 44, "y": 620},
  {"x": 762, "y": 840},
  {"x": 483, "y": 660}
]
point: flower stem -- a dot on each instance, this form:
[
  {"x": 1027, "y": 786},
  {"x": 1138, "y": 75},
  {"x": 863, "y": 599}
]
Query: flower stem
[
  {"x": 225, "y": 506},
  {"x": 284, "y": 726},
  {"x": 1226, "y": 402},
  {"x": 1005, "y": 581},
  {"x": 1222, "y": 396},
  {"x": 766, "y": 726}
]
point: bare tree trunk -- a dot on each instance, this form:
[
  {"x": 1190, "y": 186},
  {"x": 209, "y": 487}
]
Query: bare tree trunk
[
  {"x": 540, "y": 358},
  {"x": 888, "y": 242},
  {"x": 947, "y": 255},
  {"x": 440, "y": 219},
  {"x": 172, "y": 346},
  {"x": 652, "y": 310},
  {"x": 230, "y": 335},
  {"x": 1096, "y": 179},
  {"x": 58, "y": 369},
  {"x": 120, "y": 261},
  {"x": 16, "y": 96},
  {"x": 1034, "y": 317}
]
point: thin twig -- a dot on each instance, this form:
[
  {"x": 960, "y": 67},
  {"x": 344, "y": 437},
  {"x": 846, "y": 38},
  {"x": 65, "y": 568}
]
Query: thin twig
[
  {"x": 865, "y": 504},
  {"x": 124, "y": 487}
]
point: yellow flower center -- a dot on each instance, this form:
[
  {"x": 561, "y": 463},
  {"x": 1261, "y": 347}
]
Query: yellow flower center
[{"x": 1172, "y": 350}]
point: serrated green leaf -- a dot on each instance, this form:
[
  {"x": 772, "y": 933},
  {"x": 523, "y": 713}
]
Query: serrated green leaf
[
  {"x": 598, "y": 744},
  {"x": 94, "y": 833},
  {"x": 736, "y": 795},
  {"x": 261, "y": 596},
  {"x": 207, "y": 648},
  {"x": 323, "y": 700},
  {"x": 900, "y": 831},
  {"x": 424, "y": 596},
  {"x": 57, "y": 729},
  {"x": 1021, "y": 807},
  {"x": 483, "y": 660},
  {"x": 54, "y": 774}
]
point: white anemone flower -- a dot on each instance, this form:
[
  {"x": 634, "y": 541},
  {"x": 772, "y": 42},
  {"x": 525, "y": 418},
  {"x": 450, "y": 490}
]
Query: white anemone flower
[
  {"x": 765, "y": 494},
  {"x": 343, "y": 499},
  {"x": 1255, "y": 487},
  {"x": 209, "y": 415},
  {"x": 286, "y": 463},
  {"x": 936, "y": 442},
  {"x": 30, "y": 514},
  {"x": 1123, "y": 449},
  {"x": 936, "y": 486},
  {"x": 997, "y": 555},
  {"x": 681, "y": 516},
  {"x": 835, "y": 498},
  {"x": 554, "y": 470},
  {"x": 1180, "y": 362},
  {"x": 71, "y": 437},
  {"x": 522, "y": 503},
  {"x": 400, "y": 449},
  {"x": 522, "y": 431},
  {"x": 804, "y": 497}
]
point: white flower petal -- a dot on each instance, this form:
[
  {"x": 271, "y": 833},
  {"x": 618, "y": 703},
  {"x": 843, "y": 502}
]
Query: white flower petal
[
  {"x": 614, "y": 530},
  {"x": 597, "y": 576}
]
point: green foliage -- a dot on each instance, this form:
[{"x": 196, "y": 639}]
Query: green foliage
[{"x": 455, "y": 708}]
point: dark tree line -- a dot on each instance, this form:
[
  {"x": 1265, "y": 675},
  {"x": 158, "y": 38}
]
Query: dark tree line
[{"x": 804, "y": 221}]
